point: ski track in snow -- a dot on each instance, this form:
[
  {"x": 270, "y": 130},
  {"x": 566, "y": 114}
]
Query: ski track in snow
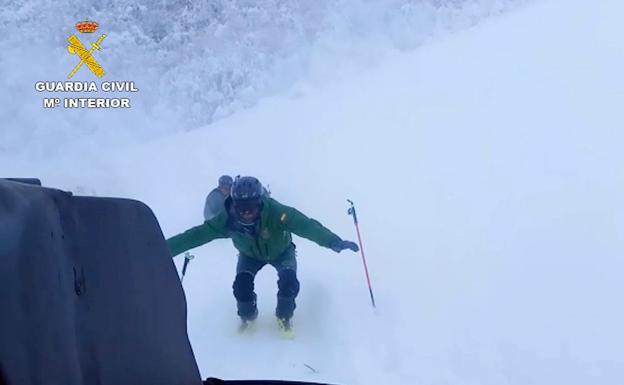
[{"x": 487, "y": 172}]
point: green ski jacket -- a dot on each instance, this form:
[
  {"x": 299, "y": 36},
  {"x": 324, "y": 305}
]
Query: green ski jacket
[{"x": 272, "y": 236}]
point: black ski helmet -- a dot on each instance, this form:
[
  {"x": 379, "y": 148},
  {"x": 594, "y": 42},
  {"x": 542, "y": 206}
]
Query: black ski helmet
[
  {"x": 247, "y": 193},
  {"x": 247, "y": 188}
]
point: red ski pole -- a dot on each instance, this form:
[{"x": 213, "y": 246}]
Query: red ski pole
[{"x": 351, "y": 212}]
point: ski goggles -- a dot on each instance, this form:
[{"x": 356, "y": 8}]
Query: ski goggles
[{"x": 247, "y": 205}]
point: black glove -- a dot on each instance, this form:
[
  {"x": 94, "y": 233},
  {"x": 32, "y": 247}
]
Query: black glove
[{"x": 340, "y": 245}]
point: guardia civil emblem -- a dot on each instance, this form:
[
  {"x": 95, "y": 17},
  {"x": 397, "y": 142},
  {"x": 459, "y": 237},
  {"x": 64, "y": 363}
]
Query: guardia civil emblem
[{"x": 76, "y": 47}]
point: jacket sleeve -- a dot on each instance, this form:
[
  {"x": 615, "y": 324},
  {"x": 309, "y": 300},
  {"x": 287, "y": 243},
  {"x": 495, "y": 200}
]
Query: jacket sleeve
[
  {"x": 197, "y": 236},
  {"x": 299, "y": 224}
]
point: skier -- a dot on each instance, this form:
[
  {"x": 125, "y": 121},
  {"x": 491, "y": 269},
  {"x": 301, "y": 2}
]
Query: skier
[
  {"x": 215, "y": 199},
  {"x": 261, "y": 229}
]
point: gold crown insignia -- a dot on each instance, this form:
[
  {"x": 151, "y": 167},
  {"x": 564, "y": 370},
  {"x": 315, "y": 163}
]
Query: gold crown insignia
[{"x": 87, "y": 26}]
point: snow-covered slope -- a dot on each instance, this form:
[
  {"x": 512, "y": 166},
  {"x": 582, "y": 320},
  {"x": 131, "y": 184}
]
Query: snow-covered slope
[
  {"x": 487, "y": 172},
  {"x": 195, "y": 61}
]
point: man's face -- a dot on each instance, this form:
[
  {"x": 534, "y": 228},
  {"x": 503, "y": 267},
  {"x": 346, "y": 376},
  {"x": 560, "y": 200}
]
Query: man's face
[
  {"x": 226, "y": 188},
  {"x": 250, "y": 215},
  {"x": 248, "y": 211}
]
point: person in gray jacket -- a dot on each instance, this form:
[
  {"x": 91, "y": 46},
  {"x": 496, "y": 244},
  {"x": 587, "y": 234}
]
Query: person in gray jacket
[{"x": 216, "y": 198}]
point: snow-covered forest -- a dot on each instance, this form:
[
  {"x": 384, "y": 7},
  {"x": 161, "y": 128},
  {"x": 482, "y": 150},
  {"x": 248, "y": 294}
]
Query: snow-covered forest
[{"x": 198, "y": 61}]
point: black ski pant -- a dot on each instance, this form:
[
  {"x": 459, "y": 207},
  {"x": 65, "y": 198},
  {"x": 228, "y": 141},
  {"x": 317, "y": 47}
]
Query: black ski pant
[{"x": 287, "y": 284}]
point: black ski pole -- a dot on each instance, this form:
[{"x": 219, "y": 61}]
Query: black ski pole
[
  {"x": 351, "y": 212},
  {"x": 187, "y": 259}
]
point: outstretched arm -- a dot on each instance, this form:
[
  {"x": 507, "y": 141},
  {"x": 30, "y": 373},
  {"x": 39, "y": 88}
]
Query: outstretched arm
[
  {"x": 311, "y": 229},
  {"x": 298, "y": 223},
  {"x": 196, "y": 236}
]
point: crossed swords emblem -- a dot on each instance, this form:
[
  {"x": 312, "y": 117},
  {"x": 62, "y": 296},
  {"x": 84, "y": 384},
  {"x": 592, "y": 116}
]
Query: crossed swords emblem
[{"x": 76, "y": 47}]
